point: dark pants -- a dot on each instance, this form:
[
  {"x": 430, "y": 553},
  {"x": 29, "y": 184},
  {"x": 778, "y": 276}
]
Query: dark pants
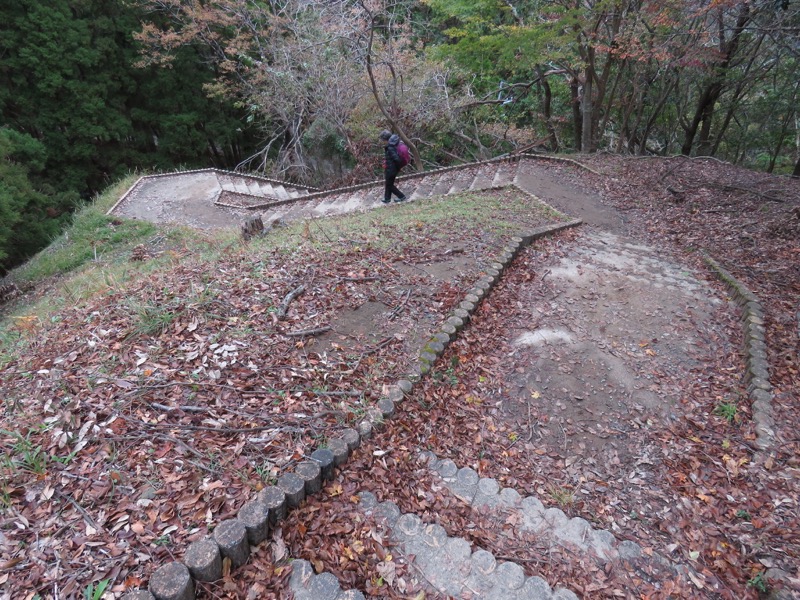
[{"x": 390, "y": 187}]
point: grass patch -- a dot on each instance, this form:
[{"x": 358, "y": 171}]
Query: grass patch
[
  {"x": 727, "y": 410},
  {"x": 91, "y": 236},
  {"x": 92, "y": 256},
  {"x": 561, "y": 495},
  {"x": 503, "y": 212},
  {"x": 152, "y": 319}
]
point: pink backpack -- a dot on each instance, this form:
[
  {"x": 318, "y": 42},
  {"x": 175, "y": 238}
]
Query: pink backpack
[{"x": 402, "y": 152}]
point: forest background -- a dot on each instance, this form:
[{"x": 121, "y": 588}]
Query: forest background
[{"x": 93, "y": 90}]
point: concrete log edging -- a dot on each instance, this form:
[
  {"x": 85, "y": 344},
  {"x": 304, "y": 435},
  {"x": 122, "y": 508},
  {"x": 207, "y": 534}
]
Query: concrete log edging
[
  {"x": 759, "y": 389},
  {"x": 469, "y": 303},
  {"x": 234, "y": 538},
  {"x": 486, "y": 495}
]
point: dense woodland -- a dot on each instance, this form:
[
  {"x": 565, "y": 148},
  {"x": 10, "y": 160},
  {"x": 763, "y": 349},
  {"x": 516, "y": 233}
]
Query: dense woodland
[{"x": 91, "y": 90}]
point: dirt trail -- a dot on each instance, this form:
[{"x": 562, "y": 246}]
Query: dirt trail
[{"x": 595, "y": 344}]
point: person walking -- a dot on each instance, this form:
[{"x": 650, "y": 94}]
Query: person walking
[{"x": 391, "y": 166}]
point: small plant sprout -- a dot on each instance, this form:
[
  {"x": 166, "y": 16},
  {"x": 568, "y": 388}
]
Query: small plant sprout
[
  {"x": 561, "y": 495},
  {"x": 759, "y": 583},
  {"x": 95, "y": 592},
  {"x": 726, "y": 410}
]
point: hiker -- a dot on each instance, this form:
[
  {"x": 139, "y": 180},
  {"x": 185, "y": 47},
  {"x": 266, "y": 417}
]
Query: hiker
[{"x": 392, "y": 163}]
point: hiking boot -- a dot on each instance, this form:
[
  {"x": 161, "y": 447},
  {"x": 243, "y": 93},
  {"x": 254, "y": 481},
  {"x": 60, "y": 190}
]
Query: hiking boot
[
  {"x": 386, "y": 201},
  {"x": 400, "y": 199}
]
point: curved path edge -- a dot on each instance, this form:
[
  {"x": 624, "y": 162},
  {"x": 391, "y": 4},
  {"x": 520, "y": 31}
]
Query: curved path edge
[
  {"x": 233, "y": 538},
  {"x": 759, "y": 388}
]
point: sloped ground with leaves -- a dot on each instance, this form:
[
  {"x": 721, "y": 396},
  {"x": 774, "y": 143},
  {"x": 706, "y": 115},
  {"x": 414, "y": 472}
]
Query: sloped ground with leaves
[
  {"x": 134, "y": 423},
  {"x": 685, "y": 488},
  {"x": 138, "y": 420}
]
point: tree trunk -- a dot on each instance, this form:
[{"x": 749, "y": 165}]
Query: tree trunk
[
  {"x": 705, "y": 106},
  {"x": 576, "y": 112},
  {"x": 547, "y": 98},
  {"x": 703, "y": 114},
  {"x": 706, "y": 119},
  {"x": 587, "y": 113},
  {"x": 395, "y": 126},
  {"x": 654, "y": 115}
]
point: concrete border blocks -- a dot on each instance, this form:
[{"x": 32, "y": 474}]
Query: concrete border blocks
[
  {"x": 271, "y": 505},
  {"x": 756, "y": 356}
]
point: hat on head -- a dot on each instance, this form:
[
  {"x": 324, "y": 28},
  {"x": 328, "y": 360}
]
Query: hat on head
[{"x": 386, "y": 134}]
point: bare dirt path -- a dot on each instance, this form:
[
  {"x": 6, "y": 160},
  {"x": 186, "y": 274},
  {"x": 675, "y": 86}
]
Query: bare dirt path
[{"x": 574, "y": 384}]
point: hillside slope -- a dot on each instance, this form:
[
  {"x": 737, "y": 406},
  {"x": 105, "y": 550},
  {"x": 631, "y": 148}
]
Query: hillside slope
[{"x": 144, "y": 408}]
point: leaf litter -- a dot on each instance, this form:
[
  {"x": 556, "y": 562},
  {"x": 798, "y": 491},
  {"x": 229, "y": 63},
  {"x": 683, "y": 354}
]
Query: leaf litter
[{"x": 179, "y": 441}]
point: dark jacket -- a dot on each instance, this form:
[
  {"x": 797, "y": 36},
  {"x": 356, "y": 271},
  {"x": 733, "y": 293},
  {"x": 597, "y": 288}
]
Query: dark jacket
[{"x": 391, "y": 157}]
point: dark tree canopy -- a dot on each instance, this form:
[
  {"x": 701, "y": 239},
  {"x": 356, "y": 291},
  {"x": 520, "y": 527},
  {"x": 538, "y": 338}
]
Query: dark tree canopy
[{"x": 68, "y": 80}]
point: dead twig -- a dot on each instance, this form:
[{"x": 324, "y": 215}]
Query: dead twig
[
  {"x": 287, "y": 300},
  {"x": 182, "y": 408},
  {"x": 86, "y": 516},
  {"x": 219, "y": 429},
  {"x": 188, "y": 448},
  {"x": 308, "y": 332},
  {"x": 379, "y": 345},
  {"x": 359, "y": 279},
  {"x": 399, "y": 307},
  {"x": 136, "y": 389}
]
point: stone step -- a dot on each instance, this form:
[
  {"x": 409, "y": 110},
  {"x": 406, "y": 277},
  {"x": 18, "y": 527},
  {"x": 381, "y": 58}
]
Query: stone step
[
  {"x": 408, "y": 187},
  {"x": 358, "y": 201},
  {"x": 505, "y": 174},
  {"x": 444, "y": 183},
  {"x": 424, "y": 187},
  {"x": 296, "y": 192},
  {"x": 461, "y": 181},
  {"x": 326, "y": 206},
  {"x": 639, "y": 263},
  {"x": 290, "y": 211},
  {"x": 265, "y": 189},
  {"x": 240, "y": 186},
  {"x": 435, "y": 183},
  {"x": 280, "y": 192},
  {"x": 484, "y": 177}
]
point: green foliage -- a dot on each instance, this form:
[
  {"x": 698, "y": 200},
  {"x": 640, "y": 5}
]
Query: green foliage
[
  {"x": 92, "y": 234},
  {"x": 726, "y": 410},
  {"x": 95, "y": 592},
  {"x": 759, "y": 583},
  {"x": 28, "y": 217},
  {"x": 24, "y": 455},
  {"x": 152, "y": 319},
  {"x": 79, "y": 113},
  {"x": 486, "y": 39},
  {"x": 561, "y": 495}
]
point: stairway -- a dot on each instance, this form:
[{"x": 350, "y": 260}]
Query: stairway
[
  {"x": 245, "y": 191},
  {"x": 210, "y": 199},
  {"x": 296, "y": 204}
]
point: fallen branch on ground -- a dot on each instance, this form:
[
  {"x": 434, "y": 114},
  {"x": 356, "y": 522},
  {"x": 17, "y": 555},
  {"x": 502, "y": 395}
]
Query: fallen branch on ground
[
  {"x": 287, "y": 300},
  {"x": 308, "y": 332}
]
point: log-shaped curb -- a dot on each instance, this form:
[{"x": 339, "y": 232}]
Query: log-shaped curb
[
  {"x": 233, "y": 538},
  {"x": 759, "y": 389}
]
